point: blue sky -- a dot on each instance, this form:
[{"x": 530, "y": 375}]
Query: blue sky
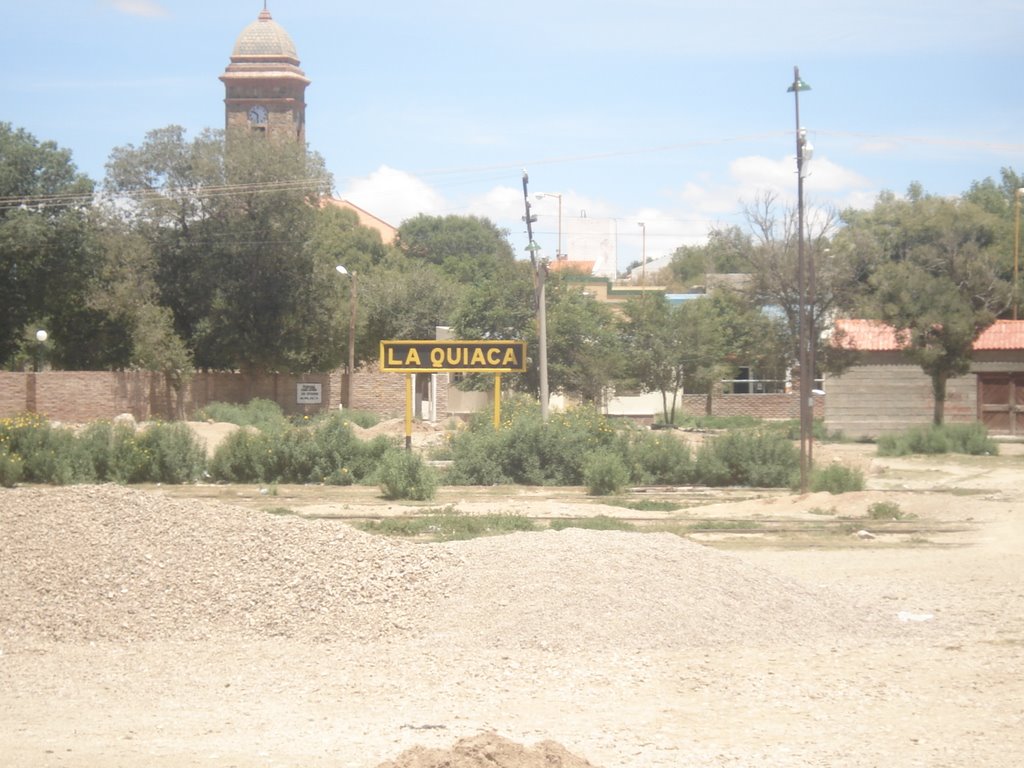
[{"x": 669, "y": 112}]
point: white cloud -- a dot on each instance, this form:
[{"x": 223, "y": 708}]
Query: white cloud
[
  {"x": 394, "y": 195},
  {"x": 145, "y": 8}
]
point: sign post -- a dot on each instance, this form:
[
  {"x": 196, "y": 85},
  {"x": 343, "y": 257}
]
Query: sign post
[{"x": 417, "y": 356}]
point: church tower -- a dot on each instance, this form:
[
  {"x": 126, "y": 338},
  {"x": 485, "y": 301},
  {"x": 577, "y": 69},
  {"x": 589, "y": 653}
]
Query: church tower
[{"x": 265, "y": 90}]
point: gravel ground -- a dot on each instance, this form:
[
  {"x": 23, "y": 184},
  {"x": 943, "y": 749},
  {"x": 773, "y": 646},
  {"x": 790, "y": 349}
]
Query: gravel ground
[{"x": 142, "y": 629}]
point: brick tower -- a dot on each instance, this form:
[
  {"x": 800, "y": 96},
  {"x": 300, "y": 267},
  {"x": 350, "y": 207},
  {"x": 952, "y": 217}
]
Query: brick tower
[{"x": 264, "y": 88}]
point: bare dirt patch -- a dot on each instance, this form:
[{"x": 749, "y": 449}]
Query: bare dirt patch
[{"x": 188, "y": 627}]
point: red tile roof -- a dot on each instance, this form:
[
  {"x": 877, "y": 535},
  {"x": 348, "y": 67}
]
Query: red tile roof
[{"x": 874, "y": 336}]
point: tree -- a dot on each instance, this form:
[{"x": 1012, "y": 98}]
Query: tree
[
  {"x": 44, "y": 259},
  {"x": 583, "y": 348},
  {"x": 231, "y": 220},
  {"x": 402, "y": 299},
  {"x": 124, "y": 289},
  {"x": 654, "y": 361},
  {"x": 840, "y": 270},
  {"x": 934, "y": 277},
  {"x": 468, "y": 248},
  {"x": 727, "y": 251}
]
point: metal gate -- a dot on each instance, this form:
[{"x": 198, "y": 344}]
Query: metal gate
[{"x": 1001, "y": 402}]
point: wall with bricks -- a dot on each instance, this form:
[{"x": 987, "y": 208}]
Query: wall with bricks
[
  {"x": 878, "y": 397},
  {"x": 80, "y": 396}
]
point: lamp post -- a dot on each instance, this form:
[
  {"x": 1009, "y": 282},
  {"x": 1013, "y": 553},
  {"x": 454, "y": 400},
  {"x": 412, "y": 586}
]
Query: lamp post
[
  {"x": 41, "y": 337},
  {"x": 539, "y": 195},
  {"x": 643, "y": 254},
  {"x": 804, "y": 275},
  {"x": 1016, "y": 252},
  {"x": 353, "y": 300}
]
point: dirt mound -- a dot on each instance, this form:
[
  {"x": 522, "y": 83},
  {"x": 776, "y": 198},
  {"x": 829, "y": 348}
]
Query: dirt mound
[
  {"x": 112, "y": 563},
  {"x": 489, "y": 751}
]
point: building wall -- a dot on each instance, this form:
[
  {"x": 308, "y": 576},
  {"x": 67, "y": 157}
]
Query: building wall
[{"x": 881, "y": 396}]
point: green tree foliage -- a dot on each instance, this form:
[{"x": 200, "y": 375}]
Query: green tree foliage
[
  {"x": 584, "y": 354},
  {"x": 934, "y": 275},
  {"x": 402, "y": 299},
  {"x": 697, "y": 343},
  {"x": 654, "y": 361},
  {"x": 468, "y": 248},
  {"x": 232, "y": 222},
  {"x": 727, "y": 251},
  {"x": 44, "y": 259}
]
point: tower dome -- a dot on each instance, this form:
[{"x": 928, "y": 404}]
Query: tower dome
[
  {"x": 265, "y": 37},
  {"x": 265, "y": 90}
]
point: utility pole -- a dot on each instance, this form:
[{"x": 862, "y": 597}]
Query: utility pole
[
  {"x": 805, "y": 277},
  {"x": 540, "y": 273}
]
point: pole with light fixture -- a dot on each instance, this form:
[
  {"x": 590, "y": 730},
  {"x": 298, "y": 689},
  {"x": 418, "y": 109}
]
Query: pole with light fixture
[
  {"x": 352, "y": 302},
  {"x": 804, "y": 274},
  {"x": 540, "y": 273},
  {"x": 1016, "y": 253},
  {"x": 539, "y": 195}
]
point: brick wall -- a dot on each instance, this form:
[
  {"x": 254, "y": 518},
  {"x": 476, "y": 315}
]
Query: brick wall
[
  {"x": 878, "y": 396},
  {"x": 79, "y": 396}
]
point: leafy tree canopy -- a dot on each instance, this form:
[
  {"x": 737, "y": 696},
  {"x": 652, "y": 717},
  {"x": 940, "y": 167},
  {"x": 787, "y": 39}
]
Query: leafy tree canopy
[{"x": 468, "y": 248}]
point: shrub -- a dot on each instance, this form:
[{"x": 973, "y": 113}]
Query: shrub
[
  {"x": 11, "y": 467},
  {"x": 115, "y": 452},
  {"x": 245, "y": 456},
  {"x": 971, "y": 439},
  {"x": 837, "y": 478},
  {"x": 604, "y": 473},
  {"x": 746, "y": 457},
  {"x": 264, "y": 415},
  {"x": 404, "y": 475},
  {"x": 659, "y": 458},
  {"x": 173, "y": 453},
  {"x": 885, "y": 510}
]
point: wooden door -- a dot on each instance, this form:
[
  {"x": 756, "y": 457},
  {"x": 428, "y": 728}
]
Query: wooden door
[{"x": 1001, "y": 402}]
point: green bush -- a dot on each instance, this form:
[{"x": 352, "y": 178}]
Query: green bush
[
  {"x": 933, "y": 439},
  {"x": 11, "y": 468},
  {"x": 245, "y": 456},
  {"x": 747, "y": 457},
  {"x": 115, "y": 452},
  {"x": 885, "y": 510},
  {"x": 659, "y": 458},
  {"x": 604, "y": 473},
  {"x": 51, "y": 455},
  {"x": 174, "y": 455},
  {"x": 325, "y": 451},
  {"x": 264, "y": 415},
  {"x": 837, "y": 478},
  {"x": 528, "y": 451},
  {"x": 404, "y": 475}
]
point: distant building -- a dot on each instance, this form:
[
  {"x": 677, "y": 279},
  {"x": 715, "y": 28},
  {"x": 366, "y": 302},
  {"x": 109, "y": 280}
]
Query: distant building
[{"x": 388, "y": 233}]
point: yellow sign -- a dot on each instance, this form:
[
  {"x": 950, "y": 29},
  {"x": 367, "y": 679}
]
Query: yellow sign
[{"x": 453, "y": 356}]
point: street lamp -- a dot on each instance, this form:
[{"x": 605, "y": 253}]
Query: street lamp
[
  {"x": 353, "y": 299},
  {"x": 1016, "y": 253},
  {"x": 539, "y": 195},
  {"x": 805, "y": 276},
  {"x": 643, "y": 254},
  {"x": 41, "y": 337}
]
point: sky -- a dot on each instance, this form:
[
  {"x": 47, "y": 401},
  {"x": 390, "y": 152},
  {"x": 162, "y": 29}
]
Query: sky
[{"x": 673, "y": 113}]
